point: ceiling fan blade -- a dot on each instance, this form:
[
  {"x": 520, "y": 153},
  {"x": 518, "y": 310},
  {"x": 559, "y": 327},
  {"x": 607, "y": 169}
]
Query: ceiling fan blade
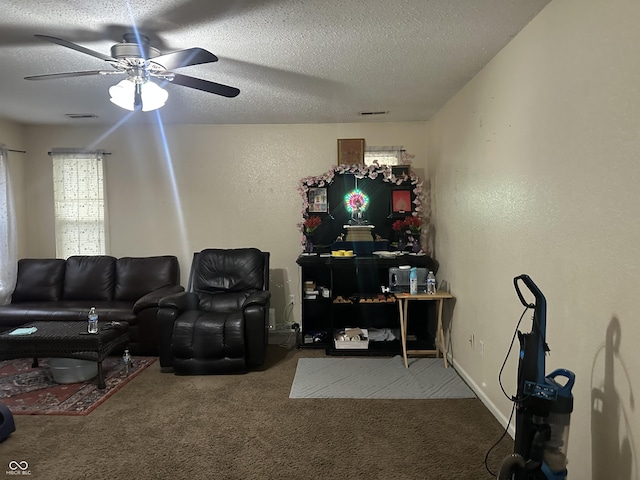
[
  {"x": 72, "y": 74},
  {"x": 205, "y": 85},
  {"x": 73, "y": 46},
  {"x": 185, "y": 58}
]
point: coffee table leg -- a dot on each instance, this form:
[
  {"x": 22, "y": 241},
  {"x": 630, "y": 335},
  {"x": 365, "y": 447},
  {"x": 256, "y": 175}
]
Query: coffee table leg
[
  {"x": 35, "y": 362},
  {"x": 101, "y": 383}
]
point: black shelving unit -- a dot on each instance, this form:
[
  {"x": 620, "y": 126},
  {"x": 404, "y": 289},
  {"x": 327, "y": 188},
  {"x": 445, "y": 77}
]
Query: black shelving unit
[
  {"x": 315, "y": 332},
  {"x": 353, "y": 283}
]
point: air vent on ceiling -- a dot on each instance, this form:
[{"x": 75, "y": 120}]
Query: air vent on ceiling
[
  {"x": 377, "y": 112},
  {"x": 80, "y": 115}
]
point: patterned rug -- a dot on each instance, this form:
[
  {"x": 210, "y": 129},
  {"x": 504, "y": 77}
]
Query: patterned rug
[
  {"x": 344, "y": 377},
  {"x": 32, "y": 391}
]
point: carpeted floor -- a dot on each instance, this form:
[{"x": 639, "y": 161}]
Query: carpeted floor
[
  {"x": 32, "y": 391},
  {"x": 378, "y": 377},
  {"x": 233, "y": 427}
]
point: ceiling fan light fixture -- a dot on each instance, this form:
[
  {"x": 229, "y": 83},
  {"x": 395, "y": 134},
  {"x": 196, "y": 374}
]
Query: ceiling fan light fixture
[{"x": 152, "y": 96}]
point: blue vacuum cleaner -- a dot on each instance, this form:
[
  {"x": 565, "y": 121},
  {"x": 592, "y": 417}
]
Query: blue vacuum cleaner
[{"x": 543, "y": 405}]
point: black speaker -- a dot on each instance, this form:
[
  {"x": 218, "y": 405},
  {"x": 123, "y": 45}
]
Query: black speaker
[{"x": 7, "y": 425}]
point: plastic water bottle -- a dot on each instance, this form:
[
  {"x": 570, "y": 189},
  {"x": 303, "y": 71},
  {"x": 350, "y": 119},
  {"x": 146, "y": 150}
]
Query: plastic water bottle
[
  {"x": 126, "y": 359},
  {"x": 93, "y": 321},
  {"x": 431, "y": 283},
  {"x": 413, "y": 281}
]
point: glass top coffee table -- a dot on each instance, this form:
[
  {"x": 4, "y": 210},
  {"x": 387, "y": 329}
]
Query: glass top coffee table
[{"x": 66, "y": 340}]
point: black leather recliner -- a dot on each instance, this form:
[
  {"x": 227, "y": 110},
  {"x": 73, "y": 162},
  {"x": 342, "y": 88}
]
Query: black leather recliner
[{"x": 220, "y": 324}]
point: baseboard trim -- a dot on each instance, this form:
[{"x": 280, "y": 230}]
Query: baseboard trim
[{"x": 483, "y": 398}]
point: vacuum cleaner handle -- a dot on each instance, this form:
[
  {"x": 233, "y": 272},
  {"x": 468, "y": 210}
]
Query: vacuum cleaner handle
[
  {"x": 563, "y": 390},
  {"x": 533, "y": 288}
]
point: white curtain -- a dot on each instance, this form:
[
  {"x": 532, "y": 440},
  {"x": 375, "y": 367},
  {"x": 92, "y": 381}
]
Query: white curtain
[
  {"x": 79, "y": 199},
  {"x": 8, "y": 238}
]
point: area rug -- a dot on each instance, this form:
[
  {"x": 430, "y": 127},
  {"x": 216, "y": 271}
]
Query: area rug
[
  {"x": 383, "y": 377},
  {"x": 32, "y": 391}
]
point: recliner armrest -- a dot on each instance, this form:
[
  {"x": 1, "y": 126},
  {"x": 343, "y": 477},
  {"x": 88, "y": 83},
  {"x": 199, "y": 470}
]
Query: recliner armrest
[
  {"x": 152, "y": 299},
  {"x": 257, "y": 298},
  {"x": 181, "y": 301},
  {"x": 171, "y": 307}
]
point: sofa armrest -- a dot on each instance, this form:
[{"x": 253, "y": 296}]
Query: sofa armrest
[
  {"x": 260, "y": 298},
  {"x": 180, "y": 301},
  {"x": 152, "y": 299}
]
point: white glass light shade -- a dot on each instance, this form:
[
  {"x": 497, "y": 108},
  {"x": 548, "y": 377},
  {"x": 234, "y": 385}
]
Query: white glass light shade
[
  {"x": 152, "y": 96},
  {"x": 122, "y": 94}
]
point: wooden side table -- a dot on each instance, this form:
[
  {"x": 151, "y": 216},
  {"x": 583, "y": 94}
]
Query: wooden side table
[{"x": 403, "y": 304}]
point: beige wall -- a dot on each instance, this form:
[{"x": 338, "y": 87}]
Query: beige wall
[
  {"x": 13, "y": 136},
  {"x": 211, "y": 186},
  {"x": 535, "y": 170}
]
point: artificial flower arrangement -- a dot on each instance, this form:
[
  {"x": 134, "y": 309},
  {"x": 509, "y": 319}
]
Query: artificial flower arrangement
[
  {"x": 421, "y": 203},
  {"x": 398, "y": 225},
  {"x": 311, "y": 223},
  {"x": 411, "y": 225}
]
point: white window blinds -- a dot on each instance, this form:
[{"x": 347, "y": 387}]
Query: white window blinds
[{"x": 80, "y": 206}]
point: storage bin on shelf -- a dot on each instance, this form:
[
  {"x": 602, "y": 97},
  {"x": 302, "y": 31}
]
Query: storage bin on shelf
[{"x": 352, "y": 338}]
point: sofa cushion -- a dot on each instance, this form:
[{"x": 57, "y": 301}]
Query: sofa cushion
[
  {"x": 64, "y": 311},
  {"x": 136, "y": 277},
  {"x": 90, "y": 277},
  {"x": 39, "y": 280}
]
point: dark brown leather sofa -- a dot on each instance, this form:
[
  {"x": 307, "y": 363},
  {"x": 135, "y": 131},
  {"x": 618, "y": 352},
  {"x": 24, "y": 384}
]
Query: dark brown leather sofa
[{"x": 122, "y": 289}]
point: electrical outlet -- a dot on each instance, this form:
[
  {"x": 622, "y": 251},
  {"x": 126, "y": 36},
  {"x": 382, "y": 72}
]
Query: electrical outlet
[{"x": 292, "y": 299}]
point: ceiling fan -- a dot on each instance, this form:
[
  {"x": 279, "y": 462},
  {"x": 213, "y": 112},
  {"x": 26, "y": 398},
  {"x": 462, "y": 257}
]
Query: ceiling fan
[{"x": 140, "y": 62}]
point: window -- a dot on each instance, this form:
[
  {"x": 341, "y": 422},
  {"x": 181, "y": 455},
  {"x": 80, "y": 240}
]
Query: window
[
  {"x": 80, "y": 207},
  {"x": 391, "y": 155}
]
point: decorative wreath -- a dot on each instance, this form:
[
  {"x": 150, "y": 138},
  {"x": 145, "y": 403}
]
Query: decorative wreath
[{"x": 421, "y": 201}]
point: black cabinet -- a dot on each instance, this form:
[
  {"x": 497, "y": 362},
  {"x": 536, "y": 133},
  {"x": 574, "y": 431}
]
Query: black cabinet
[{"x": 354, "y": 299}]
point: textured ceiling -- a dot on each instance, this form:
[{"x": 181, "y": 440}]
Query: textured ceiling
[{"x": 294, "y": 61}]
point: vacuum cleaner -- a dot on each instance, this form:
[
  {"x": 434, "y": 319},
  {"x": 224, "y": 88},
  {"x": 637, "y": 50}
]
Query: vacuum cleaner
[
  {"x": 543, "y": 404},
  {"x": 7, "y": 425}
]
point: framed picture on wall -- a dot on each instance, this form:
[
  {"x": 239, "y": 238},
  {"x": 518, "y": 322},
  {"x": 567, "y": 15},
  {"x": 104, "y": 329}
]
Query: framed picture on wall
[
  {"x": 400, "y": 171},
  {"x": 401, "y": 201},
  {"x": 318, "y": 202},
  {"x": 351, "y": 151}
]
